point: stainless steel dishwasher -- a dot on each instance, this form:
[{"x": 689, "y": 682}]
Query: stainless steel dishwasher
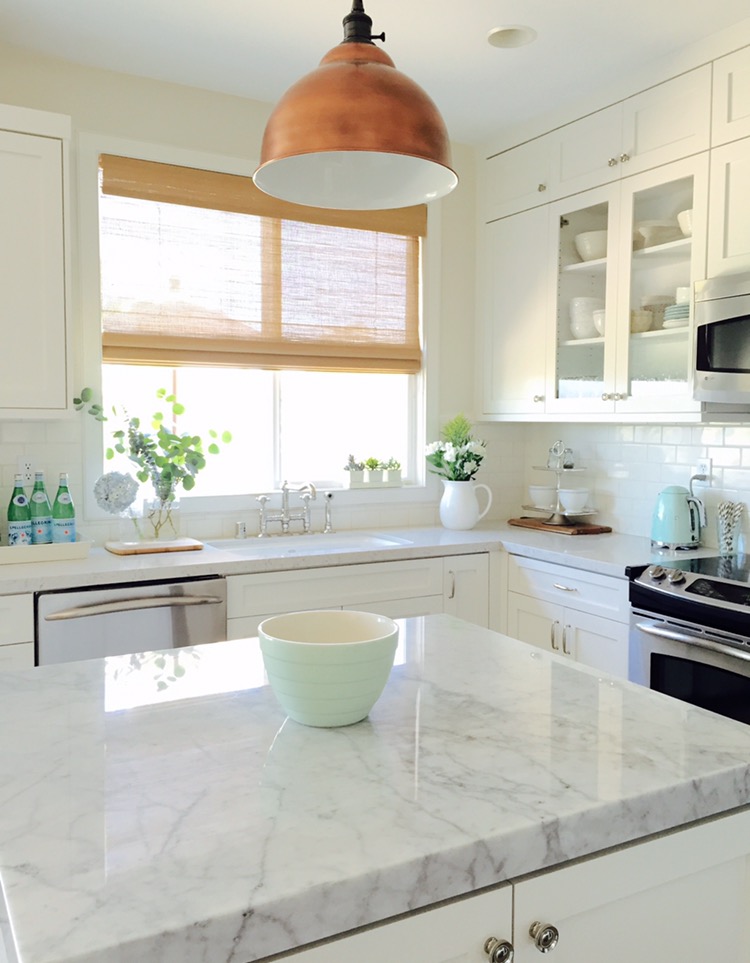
[{"x": 119, "y": 620}]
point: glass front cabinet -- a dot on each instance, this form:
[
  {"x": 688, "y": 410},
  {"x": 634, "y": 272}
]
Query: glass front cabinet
[{"x": 621, "y": 313}]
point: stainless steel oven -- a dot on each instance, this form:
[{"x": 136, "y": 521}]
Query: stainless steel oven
[{"x": 690, "y": 632}]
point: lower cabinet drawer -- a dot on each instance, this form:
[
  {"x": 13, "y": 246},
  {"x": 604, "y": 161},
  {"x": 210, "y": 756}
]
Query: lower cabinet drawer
[
  {"x": 575, "y": 588},
  {"x": 322, "y": 588}
]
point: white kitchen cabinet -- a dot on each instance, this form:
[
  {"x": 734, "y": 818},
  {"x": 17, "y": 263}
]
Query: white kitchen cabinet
[
  {"x": 729, "y": 214},
  {"x": 466, "y": 587},
  {"x": 516, "y": 179},
  {"x": 16, "y": 632},
  {"x": 575, "y": 613},
  {"x": 654, "y": 127},
  {"x": 730, "y": 115},
  {"x": 666, "y": 900},
  {"x": 621, "y": 372},
  {"x": 33, "y": 267},
  {"x": 513, "y": 312},
  {"x": 420, "y": 586},
  {"x": 657, "y": 126}
]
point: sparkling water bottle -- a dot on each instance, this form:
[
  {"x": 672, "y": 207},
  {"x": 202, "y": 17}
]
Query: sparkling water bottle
[
  {"x": 19, "y": 515},
  {"x": 63, "y": 513},
  {"x": 41, "y": 512}
]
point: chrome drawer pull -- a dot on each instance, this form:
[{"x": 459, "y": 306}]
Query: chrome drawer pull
[
  {"x": 563, "y": 588},
  {"x": 131, "y": 605}
]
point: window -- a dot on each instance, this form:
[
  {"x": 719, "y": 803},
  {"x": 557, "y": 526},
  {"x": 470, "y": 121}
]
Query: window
[{"x": 300, "y": 337}]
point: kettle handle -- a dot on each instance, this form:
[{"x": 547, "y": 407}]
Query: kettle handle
[{"x": 700, "y": 508}]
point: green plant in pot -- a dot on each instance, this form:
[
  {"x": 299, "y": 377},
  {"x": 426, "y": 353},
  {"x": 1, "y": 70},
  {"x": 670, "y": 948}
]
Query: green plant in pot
[{"x": 163, "y": 457}]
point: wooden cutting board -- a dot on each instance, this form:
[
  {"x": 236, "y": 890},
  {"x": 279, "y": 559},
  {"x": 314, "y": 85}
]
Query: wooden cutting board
[
  {"x": 577, "y": 528},
  {"x": 152, "y": 547}
]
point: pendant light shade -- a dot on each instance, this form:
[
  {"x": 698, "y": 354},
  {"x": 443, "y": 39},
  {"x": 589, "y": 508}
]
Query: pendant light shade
[{"x": 356, "y": 133}]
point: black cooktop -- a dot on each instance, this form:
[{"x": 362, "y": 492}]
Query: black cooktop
[{"x": 731, "y": 568}]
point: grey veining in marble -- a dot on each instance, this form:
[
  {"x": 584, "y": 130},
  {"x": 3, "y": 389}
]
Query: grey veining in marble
[{"x": 193, "y": 823}]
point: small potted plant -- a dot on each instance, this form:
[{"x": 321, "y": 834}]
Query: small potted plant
[
  {"x": 393, "y": 467},
  {"x": 374, "y": 468},
  {"x": 356, "y": 471}
]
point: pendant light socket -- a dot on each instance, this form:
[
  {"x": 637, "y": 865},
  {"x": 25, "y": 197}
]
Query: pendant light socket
[{"x": 516, "y": 35}]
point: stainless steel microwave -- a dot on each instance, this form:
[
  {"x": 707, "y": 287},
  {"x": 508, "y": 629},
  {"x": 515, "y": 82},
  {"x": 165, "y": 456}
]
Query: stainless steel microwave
[{"x": 721, "y": 348}]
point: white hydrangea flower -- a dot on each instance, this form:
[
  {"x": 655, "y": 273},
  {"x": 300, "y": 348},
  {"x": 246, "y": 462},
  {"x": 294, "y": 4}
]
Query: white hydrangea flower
[
  {"x": 115, "y": 491},
  {"x": 450, "y": 452},
  {"x": 433, "y": 447}
]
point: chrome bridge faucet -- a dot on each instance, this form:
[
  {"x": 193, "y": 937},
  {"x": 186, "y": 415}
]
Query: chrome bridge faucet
[{"x": 285, "y": 515}]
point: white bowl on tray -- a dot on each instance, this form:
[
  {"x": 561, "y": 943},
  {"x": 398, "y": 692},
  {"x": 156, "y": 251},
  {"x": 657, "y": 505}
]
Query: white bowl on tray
[
  {"x": 542, "y": 496},
  {"x": 573, "y": 500},
  {"x": 582, "y": 316}
]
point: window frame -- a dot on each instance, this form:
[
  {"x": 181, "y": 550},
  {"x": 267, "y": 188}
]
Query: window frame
[{"x": 423, "y": 401}]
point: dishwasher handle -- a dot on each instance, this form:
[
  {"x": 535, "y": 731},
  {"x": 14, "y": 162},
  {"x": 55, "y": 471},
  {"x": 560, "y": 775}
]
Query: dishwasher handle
[{"x": 133, "y": 605}]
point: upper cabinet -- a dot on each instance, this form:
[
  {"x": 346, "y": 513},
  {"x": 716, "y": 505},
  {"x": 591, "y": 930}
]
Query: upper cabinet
[
  {"x": 662, "y": 124},
  {"x": 729, "y": 216},
  {"x": 33, "y": 265},
  {"x": 731, "y": 98},
  {"x": 632, "y": 356}
]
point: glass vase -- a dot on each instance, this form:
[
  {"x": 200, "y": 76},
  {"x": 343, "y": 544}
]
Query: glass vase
[{"x": 160, "y": 521}]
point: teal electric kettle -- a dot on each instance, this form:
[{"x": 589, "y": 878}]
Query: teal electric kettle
[{"x": 677, "y": 518}]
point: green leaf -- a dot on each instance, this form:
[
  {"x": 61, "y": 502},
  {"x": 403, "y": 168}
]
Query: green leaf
[
  {"x": 109, "y": 454},
  {"x": 214, "y": 449},
  {"x": 86, "y": 395},
  {"x": 178, "y": 409},
  {"x": 188, "y": 483},
  {"x": 226, "y": 437}
]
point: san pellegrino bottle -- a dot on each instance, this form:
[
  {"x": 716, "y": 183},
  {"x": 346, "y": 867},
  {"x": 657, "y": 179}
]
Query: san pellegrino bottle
[
  {"x": 19, "y": 515},
  {"x": 41, "y": 512},
  {"x": 63, "y": 513}
]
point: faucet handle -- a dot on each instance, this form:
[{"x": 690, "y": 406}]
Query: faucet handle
[{"x": 262, "y": 499}]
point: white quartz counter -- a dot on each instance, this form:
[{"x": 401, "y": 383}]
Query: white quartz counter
[
  {"x": 193, "y": 823},
  {"x": 608, "y": 554}
]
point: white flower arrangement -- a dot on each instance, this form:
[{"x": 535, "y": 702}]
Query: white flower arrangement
[
  {"x": 458, "y": 455},
  {"x": 115, "y": 492}
]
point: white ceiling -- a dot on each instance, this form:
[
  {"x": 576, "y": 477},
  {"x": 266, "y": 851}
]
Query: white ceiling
[{"x": 257, "y": 50}]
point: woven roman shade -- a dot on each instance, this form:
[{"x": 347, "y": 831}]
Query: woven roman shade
[{"x": 202, "y": 268}]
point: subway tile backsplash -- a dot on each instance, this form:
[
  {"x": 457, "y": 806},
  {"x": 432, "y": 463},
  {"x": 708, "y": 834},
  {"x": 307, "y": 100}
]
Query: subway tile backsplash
[{"x": 627, "y": 466}]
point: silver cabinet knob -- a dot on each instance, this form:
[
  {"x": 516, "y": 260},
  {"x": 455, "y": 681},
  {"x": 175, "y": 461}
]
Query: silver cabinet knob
[
  {"x": 499, "y": 951},
  {"x": 538, "y": 398},
  {"x": 544, "y": 935},
  {"x": 612, "y": 162},
  {"x": 624, "y": 158},
  {"x": 542, "y": 187},
  {"x": 606, "y": 397}
]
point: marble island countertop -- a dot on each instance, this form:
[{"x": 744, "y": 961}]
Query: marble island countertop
[
  {"x": 192, "y": 822},
  {"x": 608, "y": 554}
]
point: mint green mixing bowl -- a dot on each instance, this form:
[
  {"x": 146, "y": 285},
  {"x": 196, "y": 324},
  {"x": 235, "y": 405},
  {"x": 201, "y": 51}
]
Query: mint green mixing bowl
[{"x": 328, "y": 668}]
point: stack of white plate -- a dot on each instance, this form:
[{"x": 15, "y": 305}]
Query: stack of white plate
[{"x": 676, "y": 315}]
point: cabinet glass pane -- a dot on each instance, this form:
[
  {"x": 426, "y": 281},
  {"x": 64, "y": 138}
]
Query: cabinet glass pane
[
  {"x": 660, "y": 287},
  {"x": 582, "y": 279}
]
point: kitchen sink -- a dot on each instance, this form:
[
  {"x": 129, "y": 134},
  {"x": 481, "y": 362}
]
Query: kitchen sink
[{"x": 313, "y": 544}]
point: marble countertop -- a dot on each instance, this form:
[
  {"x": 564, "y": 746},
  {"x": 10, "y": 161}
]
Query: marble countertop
[
  {"x": 192, "y": 822},
  {"x": 608, "y": 554}
]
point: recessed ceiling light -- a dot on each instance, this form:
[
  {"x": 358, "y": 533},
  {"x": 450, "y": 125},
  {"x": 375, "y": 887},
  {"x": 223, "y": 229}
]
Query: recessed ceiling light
[{"x": 513, "y": 36}]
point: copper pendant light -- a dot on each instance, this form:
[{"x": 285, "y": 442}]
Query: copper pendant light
[{"x": 356, "y": 134}]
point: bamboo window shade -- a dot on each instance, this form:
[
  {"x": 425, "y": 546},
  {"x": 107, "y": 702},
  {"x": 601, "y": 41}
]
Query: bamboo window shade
[{"x": 202, "y": 268}]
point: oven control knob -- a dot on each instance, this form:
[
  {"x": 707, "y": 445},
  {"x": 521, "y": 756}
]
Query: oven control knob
[
  {"x": 656, "y": 572},
  {"x": 675, "y": 576}
]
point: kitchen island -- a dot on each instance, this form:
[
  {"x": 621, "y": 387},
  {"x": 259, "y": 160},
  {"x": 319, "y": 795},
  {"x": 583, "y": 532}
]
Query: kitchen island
[{"x": 161, "y": 807}]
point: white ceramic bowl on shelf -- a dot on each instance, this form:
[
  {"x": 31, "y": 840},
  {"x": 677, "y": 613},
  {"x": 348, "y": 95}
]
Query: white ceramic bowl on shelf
[
  {"x": 599, "y": 317},
  {"x": 573, "y": 500},
  {"x": 658, "y": 232},
  {"x": 542, "y": 496},
  {"x": 582, "y": 316},
  {"x": 591, "y": 245},
  {"x": 328, "y": 668},
  {"x": 685, "y": 220},
  {"x": 641, "y": 319}
]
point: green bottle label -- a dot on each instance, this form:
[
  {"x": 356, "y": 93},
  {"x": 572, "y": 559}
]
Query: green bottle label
[
  {"x": 20, "y": 500},
  {"x": 19, "y": 533}
]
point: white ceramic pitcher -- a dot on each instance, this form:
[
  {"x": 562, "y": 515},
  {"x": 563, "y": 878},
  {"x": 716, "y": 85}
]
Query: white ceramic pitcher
[{"x": 459, "y": 507}]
